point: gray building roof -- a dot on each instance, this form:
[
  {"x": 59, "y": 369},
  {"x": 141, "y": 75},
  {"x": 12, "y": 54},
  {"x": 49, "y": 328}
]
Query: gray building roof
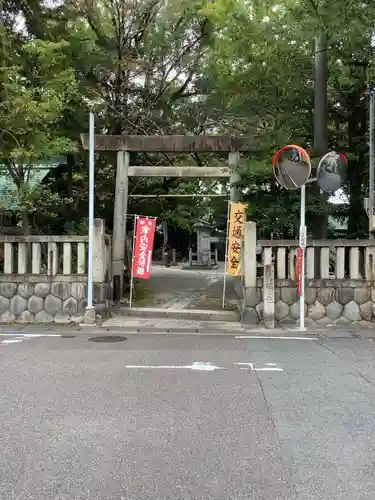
[{"x": 8, "y": 190}]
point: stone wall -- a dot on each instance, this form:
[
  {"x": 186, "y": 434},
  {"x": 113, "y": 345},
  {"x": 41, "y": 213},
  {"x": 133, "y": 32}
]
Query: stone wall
[
  {"x": 51, "y": 300},
  {"x": 327, "y": 302}
]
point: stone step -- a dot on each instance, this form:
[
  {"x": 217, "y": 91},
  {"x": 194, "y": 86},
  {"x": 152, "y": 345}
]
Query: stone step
[{"x": 188, "y": 314}]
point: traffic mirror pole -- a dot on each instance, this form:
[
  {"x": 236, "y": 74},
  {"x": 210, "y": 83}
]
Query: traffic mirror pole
[{"x": 301, "y": 258}]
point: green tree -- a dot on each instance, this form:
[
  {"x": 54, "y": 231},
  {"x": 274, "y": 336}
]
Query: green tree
[
  {"x": 36, "y": 84},
  {"x": 263, "y": 65},
  {"x": 138, "y": 65},
  {"x": 224, "y": 67}
]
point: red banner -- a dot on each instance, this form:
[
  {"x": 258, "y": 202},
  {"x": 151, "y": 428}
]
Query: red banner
[
  {"x": 144, "y": 242},
  {"x": 299, "y": 269}
]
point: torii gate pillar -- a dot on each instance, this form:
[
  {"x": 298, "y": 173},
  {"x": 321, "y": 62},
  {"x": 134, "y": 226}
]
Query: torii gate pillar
[{"x": 120, "y": 217}]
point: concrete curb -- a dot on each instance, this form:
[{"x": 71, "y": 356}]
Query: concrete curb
[
  {"x": 178, "y": 314},
  {"x": 201, "y": 329}
]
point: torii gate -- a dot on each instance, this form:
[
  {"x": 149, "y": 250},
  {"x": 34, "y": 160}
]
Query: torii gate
[{"x": 124, "y": 144}]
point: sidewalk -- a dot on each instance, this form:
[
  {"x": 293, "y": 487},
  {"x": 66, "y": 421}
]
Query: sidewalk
[
  {"x": 170, "y": 325},
  {"x": 161, "y": 326},
  {"x": 156, "y": 325}
]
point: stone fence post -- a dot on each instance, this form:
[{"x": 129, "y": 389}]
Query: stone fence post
[
  {"x": 251, "y": 294},
  {"x": 102, "y": 290},
  {"x": 99, "y": 267},
  {"x": 268, "y": 290},
  {"x": 250, "y": 256},
  {"x": 174, "y": 257}
]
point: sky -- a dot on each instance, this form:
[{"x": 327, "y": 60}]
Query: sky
[{"x": 339, "y": 197}]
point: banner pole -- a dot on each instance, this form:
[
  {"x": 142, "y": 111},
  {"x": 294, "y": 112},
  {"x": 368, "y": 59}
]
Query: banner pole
[
  {"x": 226, "y": 255},
  {"x": 131, "y": 272}
]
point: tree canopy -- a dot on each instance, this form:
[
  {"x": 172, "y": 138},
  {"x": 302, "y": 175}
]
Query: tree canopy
[{"x": 229, "y": 67}]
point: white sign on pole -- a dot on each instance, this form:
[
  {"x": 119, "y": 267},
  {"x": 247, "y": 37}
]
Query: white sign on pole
[{"x": 302, "y": 236}]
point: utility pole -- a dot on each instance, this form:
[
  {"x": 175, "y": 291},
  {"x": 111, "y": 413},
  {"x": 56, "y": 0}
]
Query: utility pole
[
  {"x": 371, "y": 161},
  {"x": 2, "y": 41},
  {"x": 321, "y": 112},
  {"x": 3, "y": 53},
  {"x": 321, "y": 98}
]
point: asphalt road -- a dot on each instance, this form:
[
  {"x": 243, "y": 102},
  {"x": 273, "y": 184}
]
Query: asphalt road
[{"x": 186, "y": 417}]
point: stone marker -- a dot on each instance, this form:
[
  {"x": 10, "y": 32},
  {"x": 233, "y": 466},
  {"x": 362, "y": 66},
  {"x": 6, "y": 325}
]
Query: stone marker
[{"x": 269, "y": 296}]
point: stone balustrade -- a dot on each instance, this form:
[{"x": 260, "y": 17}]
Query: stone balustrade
[
  {"x": 325, "y": 259},
  {"x": 48, "y": 255},
  {"x": 44, "y": 278},
  {"x": 339, "y": 281}
]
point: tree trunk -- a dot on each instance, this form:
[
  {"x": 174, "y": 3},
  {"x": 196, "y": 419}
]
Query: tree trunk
[
  {"x": 356, "y": 174},
  {"x": 24, "y": 213},
  {"x": 25, "y": 222},
  {"x": 70, "y": 163}
]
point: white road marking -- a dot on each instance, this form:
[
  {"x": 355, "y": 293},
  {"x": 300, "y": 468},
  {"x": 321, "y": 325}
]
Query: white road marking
[
  {"x": 30, "y": 335},
  {"x": 33, "y": 335},
  {"x": 208, "y": 367},
  {"x": 249, "y": 365},
  {"x": 19, "y": 337},
  {"x": 269, "y": 367},
  {"x": 197, "y": 365},
  {"x": 267, "y": 337}
]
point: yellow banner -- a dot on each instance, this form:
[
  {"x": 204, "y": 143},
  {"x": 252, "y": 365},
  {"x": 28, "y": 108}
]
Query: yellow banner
[{"x": 237, "y": 221}]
